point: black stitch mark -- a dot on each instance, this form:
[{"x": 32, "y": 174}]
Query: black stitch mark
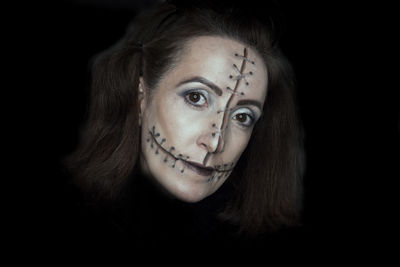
[
  {"x": 244, "y": 58},
  {"x": 183, "y": 165},
  {"x": 162, "y": 141},
  {"x": 223, "y": 110},
  {"x": 226, "y": 167},
  {"x": 232, "y": 91},
  {"x": 240, "y": 75},
  {"x": 155, "y": 135},
  {"x": 173, "y": 163},
  {"x": 217, "y": 129},
  {"x": 154, "y": 132},
  {"x": 221, "y": 171},
  {"x": 153, "y": 139},
  {"x": 168, "y": 154},
  {"x": 180, "y": 157}
]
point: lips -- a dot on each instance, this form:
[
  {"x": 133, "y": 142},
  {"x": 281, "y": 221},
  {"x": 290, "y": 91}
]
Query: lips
[{"x": 198, "y": 168}]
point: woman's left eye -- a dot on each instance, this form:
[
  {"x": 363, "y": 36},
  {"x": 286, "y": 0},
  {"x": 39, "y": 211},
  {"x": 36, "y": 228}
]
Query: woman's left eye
[
  {"x": 244, "y": 119},
  {"x": 196, "y": 99}
]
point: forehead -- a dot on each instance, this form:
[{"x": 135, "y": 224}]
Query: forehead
[{"x": 215, "y": 58}]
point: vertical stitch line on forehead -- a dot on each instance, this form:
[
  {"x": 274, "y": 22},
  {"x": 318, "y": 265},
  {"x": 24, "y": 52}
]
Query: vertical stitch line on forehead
[
  {"x": 234, "y": 92},
  {"x": 241, "y": 75},
  {"x": 230, "y": 90},
  {"x": 244, "y": 58}
]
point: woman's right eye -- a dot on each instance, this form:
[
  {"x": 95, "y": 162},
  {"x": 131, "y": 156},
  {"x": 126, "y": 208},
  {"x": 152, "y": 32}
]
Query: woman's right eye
[{"x": 196, "y": 99}]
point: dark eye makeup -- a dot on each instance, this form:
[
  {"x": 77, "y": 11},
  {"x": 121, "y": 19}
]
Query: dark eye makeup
[
  {"x": 199, "y": 99},
  {"x": 244, "y": 117},
  {"x": 196, "y": 98}
]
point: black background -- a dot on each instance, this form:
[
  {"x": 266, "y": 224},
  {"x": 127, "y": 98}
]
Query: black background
[{"x": 348, "y": 107}]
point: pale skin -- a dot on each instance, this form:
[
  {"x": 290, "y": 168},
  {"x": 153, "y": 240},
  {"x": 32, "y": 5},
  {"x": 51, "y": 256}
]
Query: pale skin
[{"x": 199, "y": 119}]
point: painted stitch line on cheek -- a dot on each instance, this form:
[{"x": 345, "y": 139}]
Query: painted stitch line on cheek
[
  {"x": 169, "y": 153},
  {"x": 183, "y": 158},
  {"x": 153, "y": 139},
  {"x": 159, "y": 143}
]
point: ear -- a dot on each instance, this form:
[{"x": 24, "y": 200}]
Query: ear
[{"x": 141, "y": 99}]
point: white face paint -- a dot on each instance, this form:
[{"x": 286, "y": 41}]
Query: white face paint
[{"x": 200, "y": 117}]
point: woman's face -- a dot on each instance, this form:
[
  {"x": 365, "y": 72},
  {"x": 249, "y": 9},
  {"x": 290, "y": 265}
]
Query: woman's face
[{"x": 199, "y": 119}]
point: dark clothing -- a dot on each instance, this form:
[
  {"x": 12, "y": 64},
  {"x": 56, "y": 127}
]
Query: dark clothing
[{"x": 144, "y": 217}]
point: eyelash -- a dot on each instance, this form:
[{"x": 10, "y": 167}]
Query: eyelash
[
  {"x": 193, "y": 104},
  {"x": 248, "y": 124}
]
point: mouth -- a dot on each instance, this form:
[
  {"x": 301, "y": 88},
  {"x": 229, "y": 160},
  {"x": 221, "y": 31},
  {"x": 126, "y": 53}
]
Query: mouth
[{"x": 198, "y": 168}]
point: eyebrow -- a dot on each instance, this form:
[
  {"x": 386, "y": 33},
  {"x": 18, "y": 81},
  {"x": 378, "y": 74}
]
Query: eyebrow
[
  {"x": 244, "y": 102},
  {"x": 204, "y": 81}
]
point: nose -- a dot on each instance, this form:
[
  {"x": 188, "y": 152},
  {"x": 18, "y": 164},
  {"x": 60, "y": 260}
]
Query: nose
[{"x": 211, "y": 140}]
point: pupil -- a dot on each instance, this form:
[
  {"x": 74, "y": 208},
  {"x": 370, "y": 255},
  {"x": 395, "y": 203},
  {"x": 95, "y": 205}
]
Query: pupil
[
  {"x": 194, "y": 97},
  {"x": 241, "y": 117}
]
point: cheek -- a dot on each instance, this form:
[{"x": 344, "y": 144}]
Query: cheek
[
  {"x": 181, "y": 124},
  {"x": 236, "y": 142},
  {"x": 160, "y": 113},
  {"x": 189, "y": 127}
]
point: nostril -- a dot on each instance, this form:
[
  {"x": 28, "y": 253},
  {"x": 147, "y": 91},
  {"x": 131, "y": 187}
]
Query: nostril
[{"x": 205, "y": 146}]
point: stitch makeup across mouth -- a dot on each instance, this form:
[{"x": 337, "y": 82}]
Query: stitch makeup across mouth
[
  {"x": 217, "y": 171},
  {"x": 198, "y": 168},
  {"x": 194, "y": 166}
]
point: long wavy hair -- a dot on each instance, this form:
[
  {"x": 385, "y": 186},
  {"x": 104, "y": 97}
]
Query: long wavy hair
[{"x": 268, "y": 176}]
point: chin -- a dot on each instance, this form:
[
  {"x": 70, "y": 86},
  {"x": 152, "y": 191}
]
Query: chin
[
  {"x": 190, "y": 193},
  {"x": 182, "y": 187}
]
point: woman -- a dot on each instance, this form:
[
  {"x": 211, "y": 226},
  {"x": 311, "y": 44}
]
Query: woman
[{"x": 196, "y": 103}]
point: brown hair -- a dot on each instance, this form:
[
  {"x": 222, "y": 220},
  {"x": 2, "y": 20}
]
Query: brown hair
[{"x": 268, "y": 176}]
